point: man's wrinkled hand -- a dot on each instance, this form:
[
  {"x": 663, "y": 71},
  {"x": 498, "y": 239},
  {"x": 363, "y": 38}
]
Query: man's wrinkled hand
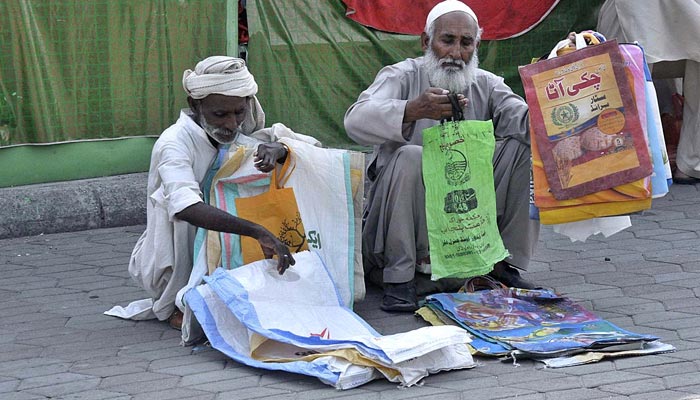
[
  {"x": 268, "y": 155},
  {"x": 272, "y": 246},
  {"x": 433, "y": 103}
]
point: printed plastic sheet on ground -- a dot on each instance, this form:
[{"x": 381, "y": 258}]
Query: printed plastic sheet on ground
[
  {"x": 296, "y": 322},
  {"x": 534, "y": 323}
]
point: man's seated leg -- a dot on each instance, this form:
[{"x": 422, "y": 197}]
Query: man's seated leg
[{"x": 395, "y": 232}]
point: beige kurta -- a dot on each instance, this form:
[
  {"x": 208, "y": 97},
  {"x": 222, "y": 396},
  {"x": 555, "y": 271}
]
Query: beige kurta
[{"x": 394, "y": 233}]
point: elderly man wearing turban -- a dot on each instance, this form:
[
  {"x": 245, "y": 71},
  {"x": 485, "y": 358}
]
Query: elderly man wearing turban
[
  {"x": 410, "y": 96},
  {"x": 222, "y": 106}
]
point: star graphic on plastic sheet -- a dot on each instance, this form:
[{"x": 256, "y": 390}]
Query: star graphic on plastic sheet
[{"x": 324, "y": 334}]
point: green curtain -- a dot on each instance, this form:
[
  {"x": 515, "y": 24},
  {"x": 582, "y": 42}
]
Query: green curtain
[
  {"x": 85, "y": 69},
  {"x": 311, "y": 62},
  {"x": 78, "y": 69}
]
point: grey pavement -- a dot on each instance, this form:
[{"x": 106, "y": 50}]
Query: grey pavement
[{"x": 56, "y": 343}]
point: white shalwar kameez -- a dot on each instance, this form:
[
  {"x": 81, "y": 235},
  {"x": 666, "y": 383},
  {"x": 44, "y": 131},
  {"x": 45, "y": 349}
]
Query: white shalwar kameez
[{"x": 162, "y": 258}]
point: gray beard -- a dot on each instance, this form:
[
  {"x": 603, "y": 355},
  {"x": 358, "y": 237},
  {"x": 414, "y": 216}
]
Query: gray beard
[
  {"x": 455, "y": 80},
  {"x": 220, "y": 135}
]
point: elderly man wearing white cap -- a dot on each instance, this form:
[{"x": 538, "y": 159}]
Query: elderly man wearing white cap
[
  {"x": 222, "y": 106},
  {"x": 410, "y": 96}
]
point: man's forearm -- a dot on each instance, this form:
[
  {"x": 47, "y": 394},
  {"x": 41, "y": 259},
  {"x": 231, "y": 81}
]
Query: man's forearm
[{"x": 211, "y": 218}]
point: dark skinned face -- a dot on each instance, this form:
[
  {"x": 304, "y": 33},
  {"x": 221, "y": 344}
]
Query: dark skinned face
[
  {"x": 454, "y": 36},
  {"x": 220, "y": 116}
]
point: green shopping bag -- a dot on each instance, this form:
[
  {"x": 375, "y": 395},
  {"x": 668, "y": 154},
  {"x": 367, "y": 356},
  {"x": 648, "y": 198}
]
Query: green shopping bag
[{"x": 460, "y": 199}]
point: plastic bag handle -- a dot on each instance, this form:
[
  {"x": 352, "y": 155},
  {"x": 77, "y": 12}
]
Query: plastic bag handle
[{"x": 278, "y": 181}]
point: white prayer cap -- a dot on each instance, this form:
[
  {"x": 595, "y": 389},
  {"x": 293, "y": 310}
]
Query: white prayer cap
[
  {"x": 445, "y": 7},
  {"x": 219, "y": 75}
]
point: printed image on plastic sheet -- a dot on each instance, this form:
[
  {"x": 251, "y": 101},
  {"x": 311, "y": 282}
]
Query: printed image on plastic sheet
[
  {"x": 532, "y": 321},
  {"x": 585, "y": 121}
]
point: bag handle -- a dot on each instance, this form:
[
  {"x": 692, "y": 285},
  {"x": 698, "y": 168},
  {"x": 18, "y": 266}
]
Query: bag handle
[
  {"x": 278, "y": 181},
  {"x": 581, "y": 40},
  {"x": 457, "y": 114}
]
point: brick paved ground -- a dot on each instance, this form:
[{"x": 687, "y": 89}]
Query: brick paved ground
[{"x": 55, "y": 342}]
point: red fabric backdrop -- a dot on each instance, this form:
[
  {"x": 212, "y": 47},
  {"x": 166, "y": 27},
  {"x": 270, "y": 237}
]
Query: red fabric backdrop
[{"x": 500, "y": 19}]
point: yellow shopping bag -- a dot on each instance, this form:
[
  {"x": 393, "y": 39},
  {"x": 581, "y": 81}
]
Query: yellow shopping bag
[{"x": 277, "y": 211}]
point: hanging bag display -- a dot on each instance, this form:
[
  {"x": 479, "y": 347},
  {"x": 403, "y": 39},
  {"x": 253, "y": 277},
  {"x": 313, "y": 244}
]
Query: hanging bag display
[
  {"x": 277, "y": 211},
  {"x": 585, "y": 121},
  {"x": 460, "y": 197}
]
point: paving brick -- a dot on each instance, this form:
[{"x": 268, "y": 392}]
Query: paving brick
[
  {"x": 184, "y": 370},
  {"x": 141, "y": 387},
  {"x": 7, "y": 337},
  {"x": 636, "y": 387},
  {"x": 648, "y": 267},
  {"x": 606, "y": 378},
  {"x": 28, "y": 283},
  {"x": 691, "y": 389},
  {"x": 39, "y": 371},
  {"x": 689, "y": 333},
  {"x": 641, "y": 245},
  {"x": 118, "y": 270},
  {"x": 612, "y": 253},
  {"x": 213, "y": 377},
  {"x": 96, "y": 395},
  {"x": 392, "y": 391},
  {"x": 533, "y": 396},
  {"x": 665, "y": 394},
  {"x": 175, "y": 393},
  {"x": 32, "y": 351},
  {"x": 659, "y": 233},
  {"x": 251, "y": 381},
  {"x": 675, "y": 323},
  {"x": 498, "y": 392},
  {"x": 576, "y": 394},
  {"x": 455, "y": 375},
  {"x": 552, "y": 384},
  {"x": 313, "y": 389},
  {"x": 62, "y": 389},
  {"x": 529, "y": 374},
  {"x": 686, "y": 283},
  {"x": 26, "y": 311},
  {"x": 674, "y": 293},
  {"x": 645, "y": 318},
  {"x": 681, "y": 380},
  {"x": 52, "y": 380},
  {"x": 675, "y": 255},
  {"x": 354, "y": 395},
  {"x": 594, "y": 294},
  {"x": 8, "y": 385},
  {"x": 22, "y": 396},
  {"x": 620, "y": 279},
  {"x": 656, "y": 215},
  {"x": 112, "y": 370},
  {"x": 645, "y": 361},
  {"x": 683, "y": 305},
  {"x": 249, "y": 393},
  {"x": 478, "y": 381}
]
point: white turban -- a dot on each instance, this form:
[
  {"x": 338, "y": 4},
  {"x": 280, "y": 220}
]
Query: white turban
[
  {"x": 219, "y": 75},
  {"x": 445, "y": 7}
]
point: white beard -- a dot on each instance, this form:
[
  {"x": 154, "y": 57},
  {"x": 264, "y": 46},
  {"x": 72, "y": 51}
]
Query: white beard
[
  {"x": 454, "y": 79},
  {"x": 220, "y": 135}
]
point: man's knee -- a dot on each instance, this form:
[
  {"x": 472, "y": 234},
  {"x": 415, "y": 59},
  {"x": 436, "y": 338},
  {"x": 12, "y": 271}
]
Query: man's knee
[{"x": 408, "y": 160}]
